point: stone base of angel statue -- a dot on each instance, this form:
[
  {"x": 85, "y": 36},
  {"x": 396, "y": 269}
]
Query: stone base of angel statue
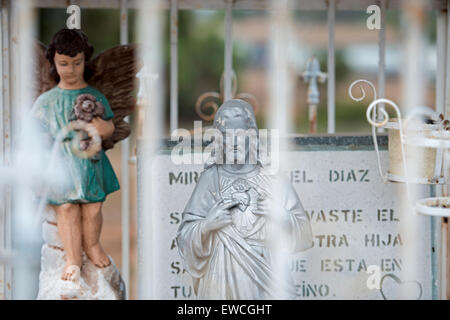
[
  {"x": 236, "y": 212},
  {"x": 94, "y": 283}
]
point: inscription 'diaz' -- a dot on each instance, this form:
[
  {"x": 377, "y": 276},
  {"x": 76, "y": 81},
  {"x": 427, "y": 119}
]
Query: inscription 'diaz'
[{"x": 351, "y": 175}]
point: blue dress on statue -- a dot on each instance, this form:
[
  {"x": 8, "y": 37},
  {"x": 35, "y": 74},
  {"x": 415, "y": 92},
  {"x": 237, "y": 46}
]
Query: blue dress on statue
[{"x": 87, "y": 181}]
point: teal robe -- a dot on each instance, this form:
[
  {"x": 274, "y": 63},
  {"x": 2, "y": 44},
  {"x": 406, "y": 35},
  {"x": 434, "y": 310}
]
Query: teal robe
[{"x": 86, "y": 180}]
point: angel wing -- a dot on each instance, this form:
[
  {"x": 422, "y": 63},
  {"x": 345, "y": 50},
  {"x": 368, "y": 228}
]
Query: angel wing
[
  {"x": 44, "y": 81},
  {"x": 115, "y": 76}
]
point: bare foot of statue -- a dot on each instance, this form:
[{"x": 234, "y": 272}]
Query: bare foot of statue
[
  {"x": 97, "y": 255},
  {"x": 70, "y": 287},
  {"x": 71, "y": 272}
]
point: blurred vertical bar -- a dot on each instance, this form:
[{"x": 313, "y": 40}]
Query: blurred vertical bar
[
  {"x": 228, "y": 50},
  {"x": 441, "y": 42},
  {"x": 445, "y": 253},
  {"x": 280, "y": 115},
  {"x": 441, "y": 68},
  {"x": 280, "y": 85},
  {"x": 381, "y": 58},
  {"x": 413, "y": 23},
  {"x": 150, "y": 38},
  {"x": 331, "y": 118},
  {"x": 5, "y": 150},
  {"x": 25, "y": 273},
  {"x": 125, "y": 170},
  {"x": 2, "y": 195},
  {"x": 173, "y": 65}
]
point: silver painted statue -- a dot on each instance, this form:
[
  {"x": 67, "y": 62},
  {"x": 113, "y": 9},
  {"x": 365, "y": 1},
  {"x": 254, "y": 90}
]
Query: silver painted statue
[{"x": 224, "y": 238}]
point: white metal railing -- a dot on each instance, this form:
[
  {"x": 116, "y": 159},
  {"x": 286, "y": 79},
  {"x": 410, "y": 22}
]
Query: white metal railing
[
  {"x": 150, "y": 31},
  {"x": 5, "y": 146},
  {"x": 125, "y": 171},
  {"x": 173, "y": 65},
  {"x": 23, "y": 229},
  {"x": 228, "y": 50},
  {"x": 347, "y": 5},
  {"x": 382, "y": 55},
  {"x": 331, "y": 84}
]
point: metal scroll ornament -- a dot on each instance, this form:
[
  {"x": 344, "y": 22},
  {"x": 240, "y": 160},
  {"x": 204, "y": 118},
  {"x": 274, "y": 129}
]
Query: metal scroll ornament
[
  {"x": 437, "y": 137},
  {"x": 429, "y": 170},
  {"x": 374, "y": 135},
  {"x": 207, "y": 103}
]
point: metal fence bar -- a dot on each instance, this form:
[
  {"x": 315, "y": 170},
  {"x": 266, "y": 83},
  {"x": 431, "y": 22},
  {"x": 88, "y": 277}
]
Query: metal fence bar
[
  {"x": 2, "y": 116},
  {"x": 441, "y": 68},
  {"x": 6, "y": 107},
  {"x": 173, "y": 65},
  {"x": 412, "y": 96},
  {"x": 445, "y": 252},
  {"x": 331, "y": 88},
  {"x": 436, "y": 244},
  {"x": 280, "y": 78},
  {"x": 3, "y": 212},
  {"x": 228, "y": 50},
  {"x": 125, "y": 170},
  {"x": 279, "y": 115},
  {"x": 24, "y": 231},
  {"x": 150, "y": 38},
  {"x": 2, "y": 196},
  {"x": 347, "y": 5},
  {"x": 382, "y": 57},
  {"x": 6, "y": 57},
  {"x": 5, "y": 148}
]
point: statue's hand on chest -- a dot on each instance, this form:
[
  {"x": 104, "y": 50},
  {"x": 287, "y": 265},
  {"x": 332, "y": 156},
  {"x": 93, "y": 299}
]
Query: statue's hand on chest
[
  {"x": 243, "y": 192},
  {"x": 247, "y": 196}
]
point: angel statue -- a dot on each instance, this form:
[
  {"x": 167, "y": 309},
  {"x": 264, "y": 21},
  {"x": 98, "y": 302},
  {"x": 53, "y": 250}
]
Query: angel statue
[
  {"x": 227, "y": 231},
  {"x": 73, "y": 89}
]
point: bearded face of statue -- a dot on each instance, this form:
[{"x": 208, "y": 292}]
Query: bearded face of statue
[
  {"x": 239, "y": 137},
  {"x": 235, "y": 143}
]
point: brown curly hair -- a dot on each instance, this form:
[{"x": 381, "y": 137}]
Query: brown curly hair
[{"x": 70, "y": 42}]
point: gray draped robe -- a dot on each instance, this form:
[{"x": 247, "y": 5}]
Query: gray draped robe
[{"x": 235, "y": 261}]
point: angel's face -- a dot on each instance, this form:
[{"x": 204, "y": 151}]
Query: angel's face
[{"x": 70, "y": 69}]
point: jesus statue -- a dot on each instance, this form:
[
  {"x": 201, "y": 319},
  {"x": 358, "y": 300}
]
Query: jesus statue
[{"x": 228, "y": 224}]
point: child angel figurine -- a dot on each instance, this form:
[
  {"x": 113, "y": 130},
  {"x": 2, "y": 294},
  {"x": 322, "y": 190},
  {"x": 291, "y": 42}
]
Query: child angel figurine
[{"x": 70, "y": 84}]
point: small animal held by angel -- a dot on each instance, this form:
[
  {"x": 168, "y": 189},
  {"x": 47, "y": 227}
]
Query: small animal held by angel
[{"x": 96, "y": 94}]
